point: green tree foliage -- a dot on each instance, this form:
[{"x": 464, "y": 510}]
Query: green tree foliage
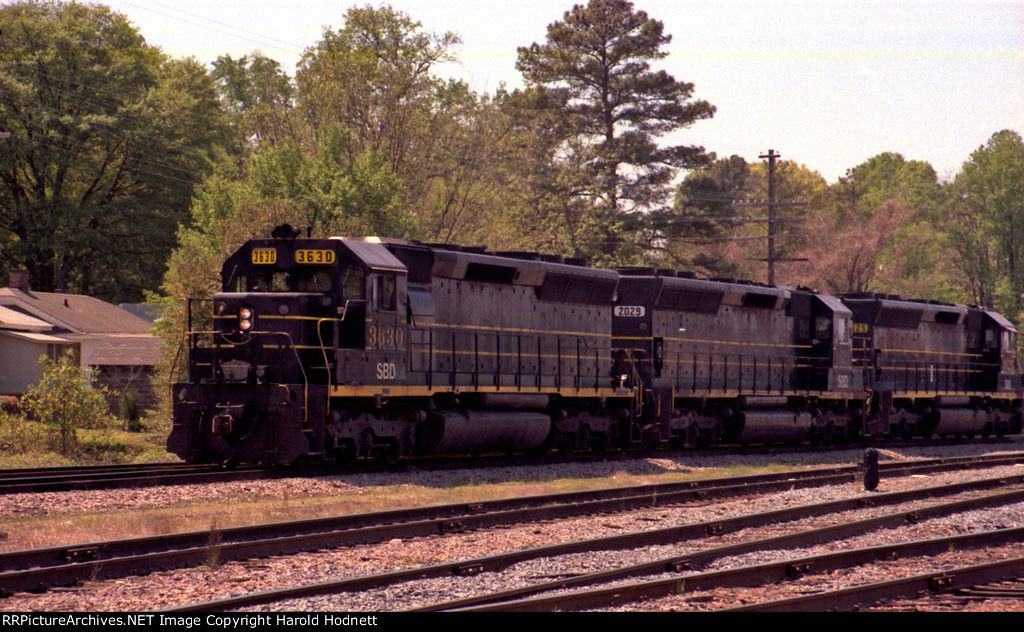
[
  {"x": 986, "y": 220},
  {"x": 64, "y": 399},
  {"x": 367, "y": 133},
  {"x": 718, "y": 224},
  {"x": 887, "y": 177},
  {"x": 534, "y": 198},
  {"x": 595, "y": 68},
  {"x": 694, "y": 234},
  {"x": 368, "y": 93},
  {"x": 900, "y": 198},
  {"x": 373, "y": 76},
  {"x": 802, "y": 193},
  {"x": 107, "y": 139},
  {"x": 258, "y": 97}
]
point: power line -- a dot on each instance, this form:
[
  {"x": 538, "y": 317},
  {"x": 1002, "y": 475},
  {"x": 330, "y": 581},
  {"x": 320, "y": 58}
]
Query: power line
[
  {"x": 289, "y": 50},
  {"x": 742, "y": 220},
  {"x": 701, "y": 240},
  {"x": 134, "y": 169},
  {"x": 119, "y": 133}
]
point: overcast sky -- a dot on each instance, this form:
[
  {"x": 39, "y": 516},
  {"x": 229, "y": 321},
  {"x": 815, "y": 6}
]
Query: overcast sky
[{"x": 826, "y": 84}]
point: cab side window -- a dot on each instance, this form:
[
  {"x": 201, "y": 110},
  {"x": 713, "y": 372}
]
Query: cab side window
[
  {"x": 384, "y": 293},
  {"x": 352, "y": 283},
  {"x": 843, "y": 329},
  {"x": 823, "y": 328}
]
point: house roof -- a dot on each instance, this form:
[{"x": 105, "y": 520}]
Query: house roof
[
  {"x": 13, "y": 319},
  {"x": 125, "y": 350},
  {"x": 74, "y": 312},
  {"x": 36, "y": 337}
]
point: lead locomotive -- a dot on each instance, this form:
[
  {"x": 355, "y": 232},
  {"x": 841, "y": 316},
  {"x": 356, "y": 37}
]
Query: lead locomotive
[{"x": 333, "y": 349}]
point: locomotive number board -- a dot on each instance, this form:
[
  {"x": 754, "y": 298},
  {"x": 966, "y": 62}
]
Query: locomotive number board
[
  {"x": 264, "y": 256},
  {"x": 630, "y": 311},
  {"x": 324, "y": 257}
]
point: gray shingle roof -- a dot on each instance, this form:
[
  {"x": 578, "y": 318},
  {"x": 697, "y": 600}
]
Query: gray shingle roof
[
  {"x": 125, "y": 350},
  {"x": 86, "y": 314}
]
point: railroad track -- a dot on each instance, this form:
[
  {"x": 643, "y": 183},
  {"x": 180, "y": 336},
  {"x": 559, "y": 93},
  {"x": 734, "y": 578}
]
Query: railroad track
[
  {"x": 976, "y": 581},
  {"x": 36, "y": 569},
  {"x": 41, "y": 568},
  {"x": 34, "y": 480},
  {"x": 438, "y": 579},
  {"x": 941, "y": 595},
  {"x": 120, "y": 476}
]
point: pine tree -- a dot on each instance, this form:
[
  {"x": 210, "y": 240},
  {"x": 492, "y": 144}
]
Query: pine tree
[{"x": 596, "y": 65}]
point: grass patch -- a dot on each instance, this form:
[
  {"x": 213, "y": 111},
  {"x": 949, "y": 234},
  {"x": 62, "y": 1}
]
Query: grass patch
[
  {"x": 27, "y": 443},
  {"x": 245, "y": 509}
]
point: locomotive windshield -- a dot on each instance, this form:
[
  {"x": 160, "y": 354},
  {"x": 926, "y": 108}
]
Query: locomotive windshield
[{"x": 269, "y": 280}]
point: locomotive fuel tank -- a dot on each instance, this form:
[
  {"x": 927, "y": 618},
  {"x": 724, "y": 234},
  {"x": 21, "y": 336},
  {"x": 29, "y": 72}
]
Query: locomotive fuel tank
[
  {"x": 768, "y": 426},
  {"x": 477, "y": 431}
]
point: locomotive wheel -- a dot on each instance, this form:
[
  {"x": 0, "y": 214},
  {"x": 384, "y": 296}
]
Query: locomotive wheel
[
  {"x": 691, "y": 434},
  {"x": 585, "y": 439},
  {"x": 389, "y": 452},
  {"x": 898, "y": 428},
  {"x": 828, "y": 433},
  {"x": 346, "y": 453},
  {"x": 710, "y": 437},
  {"x": 366, "y": 442}
]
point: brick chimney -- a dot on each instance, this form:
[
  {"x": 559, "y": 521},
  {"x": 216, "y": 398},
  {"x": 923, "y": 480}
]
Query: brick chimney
[{"x": 19, "y": 280}]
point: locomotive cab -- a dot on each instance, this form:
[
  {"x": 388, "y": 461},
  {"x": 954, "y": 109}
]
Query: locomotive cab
[
  {"x": 823, "y": 327},
  {"x": 995, "y": 345},
  {"x": 294, "y": 318}
]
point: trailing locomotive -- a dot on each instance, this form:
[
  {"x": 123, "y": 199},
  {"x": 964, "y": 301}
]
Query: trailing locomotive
[{"x": 334, "y": 349}]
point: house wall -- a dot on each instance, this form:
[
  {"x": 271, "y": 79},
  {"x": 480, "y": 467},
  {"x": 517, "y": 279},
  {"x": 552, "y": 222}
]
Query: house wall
[
  {"x": 19, "y": 364},
  {"x": 119, "y": 379}
]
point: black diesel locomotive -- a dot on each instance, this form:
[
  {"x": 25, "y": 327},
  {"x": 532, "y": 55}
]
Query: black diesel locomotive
[{"x": 334, "y": 349}]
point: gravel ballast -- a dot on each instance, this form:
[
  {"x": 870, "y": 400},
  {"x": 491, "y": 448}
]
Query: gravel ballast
[{"x": 165, "y": 589}]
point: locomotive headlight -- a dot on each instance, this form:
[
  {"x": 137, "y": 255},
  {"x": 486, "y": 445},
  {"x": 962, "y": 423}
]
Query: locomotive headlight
[{"x": 245, "y": 318}]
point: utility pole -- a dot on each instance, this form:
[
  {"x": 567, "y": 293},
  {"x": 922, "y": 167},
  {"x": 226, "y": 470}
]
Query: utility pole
[
  {"x": 772, "y": 204},
  {"x": 771, "y": 156}
]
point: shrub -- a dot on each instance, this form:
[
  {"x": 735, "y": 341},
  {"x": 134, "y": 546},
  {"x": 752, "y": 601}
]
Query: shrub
[
  {"x": 104, "y": 449},
  {"x": 63, "y": 398},
  {"x": 131, "y": 410},
  {"x": 18, "y": 436},
  {"x": 10, "y": 404}
]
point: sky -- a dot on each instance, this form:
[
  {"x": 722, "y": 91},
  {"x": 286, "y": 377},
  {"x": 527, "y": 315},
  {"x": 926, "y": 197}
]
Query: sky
[{"x": 827, "y": 84}]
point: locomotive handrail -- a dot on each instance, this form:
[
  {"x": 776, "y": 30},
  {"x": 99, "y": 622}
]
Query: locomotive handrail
[
  {"x": 720, "y": 367},
  {"x": 637, "y": 382},
  {"x": 323, "y": 349},
  {"x": 291, "y": 345},
  {"x": 479, "y": 349},
  {"x": 174, "y": 368}
]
